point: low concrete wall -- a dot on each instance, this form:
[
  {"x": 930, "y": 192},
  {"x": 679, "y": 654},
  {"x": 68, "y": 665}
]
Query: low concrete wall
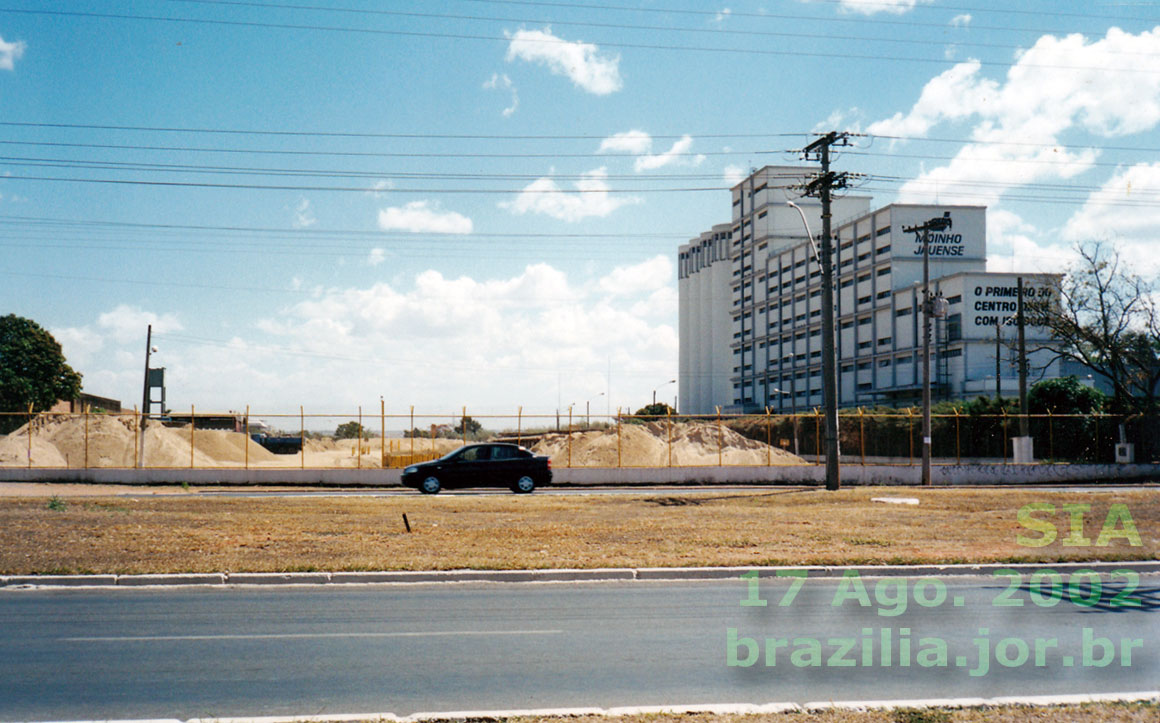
[{"x": 958, "y": 474}]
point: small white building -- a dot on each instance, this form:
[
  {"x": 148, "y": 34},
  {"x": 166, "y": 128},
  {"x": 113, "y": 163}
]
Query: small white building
[{"x": 750, "y": 305}]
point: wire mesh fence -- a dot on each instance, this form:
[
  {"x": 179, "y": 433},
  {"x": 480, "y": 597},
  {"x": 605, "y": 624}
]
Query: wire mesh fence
[{"x": 380, "y": 440}]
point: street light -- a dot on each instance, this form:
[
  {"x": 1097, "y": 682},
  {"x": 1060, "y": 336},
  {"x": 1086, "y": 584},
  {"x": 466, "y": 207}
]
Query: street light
[
  {"x": 931, "y": 306},
  {"x": 671, "y": 381},
  {"x": 829, "y": 348}
]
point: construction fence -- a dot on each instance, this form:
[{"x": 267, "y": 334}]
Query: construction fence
[{"x": 251, "y": 440}]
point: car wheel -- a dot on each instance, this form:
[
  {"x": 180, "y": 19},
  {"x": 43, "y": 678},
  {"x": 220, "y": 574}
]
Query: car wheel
[
  {"x": 430, "y": 485},
  {"x": 524, "y": 485}
]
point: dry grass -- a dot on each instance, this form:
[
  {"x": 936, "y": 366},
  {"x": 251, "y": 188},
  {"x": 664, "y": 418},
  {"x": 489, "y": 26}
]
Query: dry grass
[
  {"x": 153, "y": 534},
  {"x": 1088, "y": 713}
]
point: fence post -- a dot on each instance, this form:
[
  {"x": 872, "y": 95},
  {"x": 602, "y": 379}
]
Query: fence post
[
  {"x": 768, "y": 440},
  {"x": 909, "y": 437},
  {"x": 569, "y": 436},
  {"x": 1004, "y": 435},
  {"x": 720, "y": 441},
  {"x": 382, "y": 433},
  {"x": 862, "y": 433},
  {"x": 817, "y": 436},
  {"x": 1050, "y": 436},
  {"x": 669, "y": 431},
  {"x": 302, "y": 434},
  {"x": 358, "y": 439},
  {"x": 246, "y": 441},
  {"x": 618, "y": 437},
  {"x": 1096, "y": 457},
  {"x": 463, "y": 424},
  {"x": 412, "y": 425},
  {"x": 192, "y": 427},
  {"x": 519, "y": 425},
  {"x": 958, "y": 439}
]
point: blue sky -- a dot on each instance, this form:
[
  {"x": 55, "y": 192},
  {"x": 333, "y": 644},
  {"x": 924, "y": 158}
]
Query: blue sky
[{"x": 478, "y": 203}]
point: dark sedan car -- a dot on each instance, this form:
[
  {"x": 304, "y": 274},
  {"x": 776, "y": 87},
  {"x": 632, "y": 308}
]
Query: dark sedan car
[{"x": 495, "y": 464}]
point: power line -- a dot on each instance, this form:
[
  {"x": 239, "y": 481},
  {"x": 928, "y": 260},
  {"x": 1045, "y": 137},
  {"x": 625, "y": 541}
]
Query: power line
[
  {"x": 493, "y": 38},
  {"x": 720, "y": 31}
]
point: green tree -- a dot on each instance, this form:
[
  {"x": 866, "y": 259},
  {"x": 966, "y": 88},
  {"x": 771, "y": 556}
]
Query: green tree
[
  {"x": 349, "y": 430},
  {"x": 1103, "y": 316},
  {"x": 33, "y": 371},
  {"x": 1064, "y": 396},
  {"x": 471, "y": 426},
  {"x": 660, "y": 409}
]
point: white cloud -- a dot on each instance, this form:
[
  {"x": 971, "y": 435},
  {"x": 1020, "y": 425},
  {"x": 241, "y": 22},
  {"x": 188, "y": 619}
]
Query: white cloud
[
  {"x": 423, "y": 217},
  {"x": 1125, "y": 209},
  {"x": 1056, "y": 86},
  {"x": 10, "y": 53},
  {"x": 645, "y": 277},
  {"x": 849, "y": 120},
  {"x": 304, "y": 214},
  {"x": 639, "y": 143},
  {"x": 126, "y": 323},
  {"x": 580, "y": 62},
  {"x": 592, "y": 197},
  {"x": 634, "y": 142},
  {"x": 960, "y": 21},
  {"x": 678, "y": 154},
  {"x": 734, "y": 175},
  {"x": 377, "y": 256},
  {"x": 381, "y": 187},
  {"x": 870, "y": 7},
  {"x": 722, "y": 15},
  {"x": 503, "y": 82}
]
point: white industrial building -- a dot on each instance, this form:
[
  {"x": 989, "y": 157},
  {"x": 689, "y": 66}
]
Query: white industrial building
[{"x": 751, "y": 318}]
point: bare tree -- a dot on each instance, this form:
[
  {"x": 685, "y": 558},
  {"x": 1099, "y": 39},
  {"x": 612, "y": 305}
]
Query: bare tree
[{"x": 1104, "y": 316}]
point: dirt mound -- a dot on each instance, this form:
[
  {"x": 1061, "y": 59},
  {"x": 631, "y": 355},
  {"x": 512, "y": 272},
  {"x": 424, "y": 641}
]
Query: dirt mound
[
  {"x": 647, "y": 445},
  {"x": 101, "y": 440}
]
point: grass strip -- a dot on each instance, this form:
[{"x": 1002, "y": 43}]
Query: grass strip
[{"x": 160, "y": 534}]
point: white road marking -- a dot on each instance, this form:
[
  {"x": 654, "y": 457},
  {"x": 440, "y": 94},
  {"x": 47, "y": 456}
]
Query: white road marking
[{"x": 292, "y": 636}]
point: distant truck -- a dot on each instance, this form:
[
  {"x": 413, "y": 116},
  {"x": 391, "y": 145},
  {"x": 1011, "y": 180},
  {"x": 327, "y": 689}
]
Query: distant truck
[{"x": 278, "y": 445}]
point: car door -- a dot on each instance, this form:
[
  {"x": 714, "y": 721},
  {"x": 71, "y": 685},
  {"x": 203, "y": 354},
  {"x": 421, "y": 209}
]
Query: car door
[
  {"x": 472, "y": 469},
  {"x": 503, "y": 465}
]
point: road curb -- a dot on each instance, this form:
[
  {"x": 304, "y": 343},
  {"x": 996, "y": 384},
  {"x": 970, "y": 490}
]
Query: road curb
[
  {"x": 643, "y": 574},
  {"x": 711, "y": 709}
]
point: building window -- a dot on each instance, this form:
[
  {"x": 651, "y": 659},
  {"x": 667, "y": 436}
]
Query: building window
[
  {"x": 846, "y": 283},
  {"x": 882, "y": 231},
  {"x": 863, "y": 299},
  {"x": 884, "y": 341},
  {"x": 864, "y": 365},
  {"x": 863, "y": 277},
  {"x": 954, "y": 327},
  {"x": 883, "y": 294},
  {"x": 864, "y": 321},
  {"x": 847, "y": 324},
  {"x": 954, "y": 299},
  {"x": 883, "y": 363},
  {"x": 885, "y": 249},
  {"x": 862, "y": 345},
  {"x": 884, "y": 270},
  {"x": 904, "y": 312}
]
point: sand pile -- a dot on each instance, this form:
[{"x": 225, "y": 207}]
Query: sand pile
[
  {"x": 647, "y": 445},
  {"x": 111, "y": 441}
]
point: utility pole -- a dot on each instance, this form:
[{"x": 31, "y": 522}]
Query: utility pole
[
  {"x": 145, "y": 402},
  {"x": 929, "y": 309},
  {"x": 1024, "y": 430},
  {"x": 822, "y": 186}
]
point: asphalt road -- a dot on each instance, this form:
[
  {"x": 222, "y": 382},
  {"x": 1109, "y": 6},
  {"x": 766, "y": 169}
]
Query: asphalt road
[{"x": 98, "y": 654}]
